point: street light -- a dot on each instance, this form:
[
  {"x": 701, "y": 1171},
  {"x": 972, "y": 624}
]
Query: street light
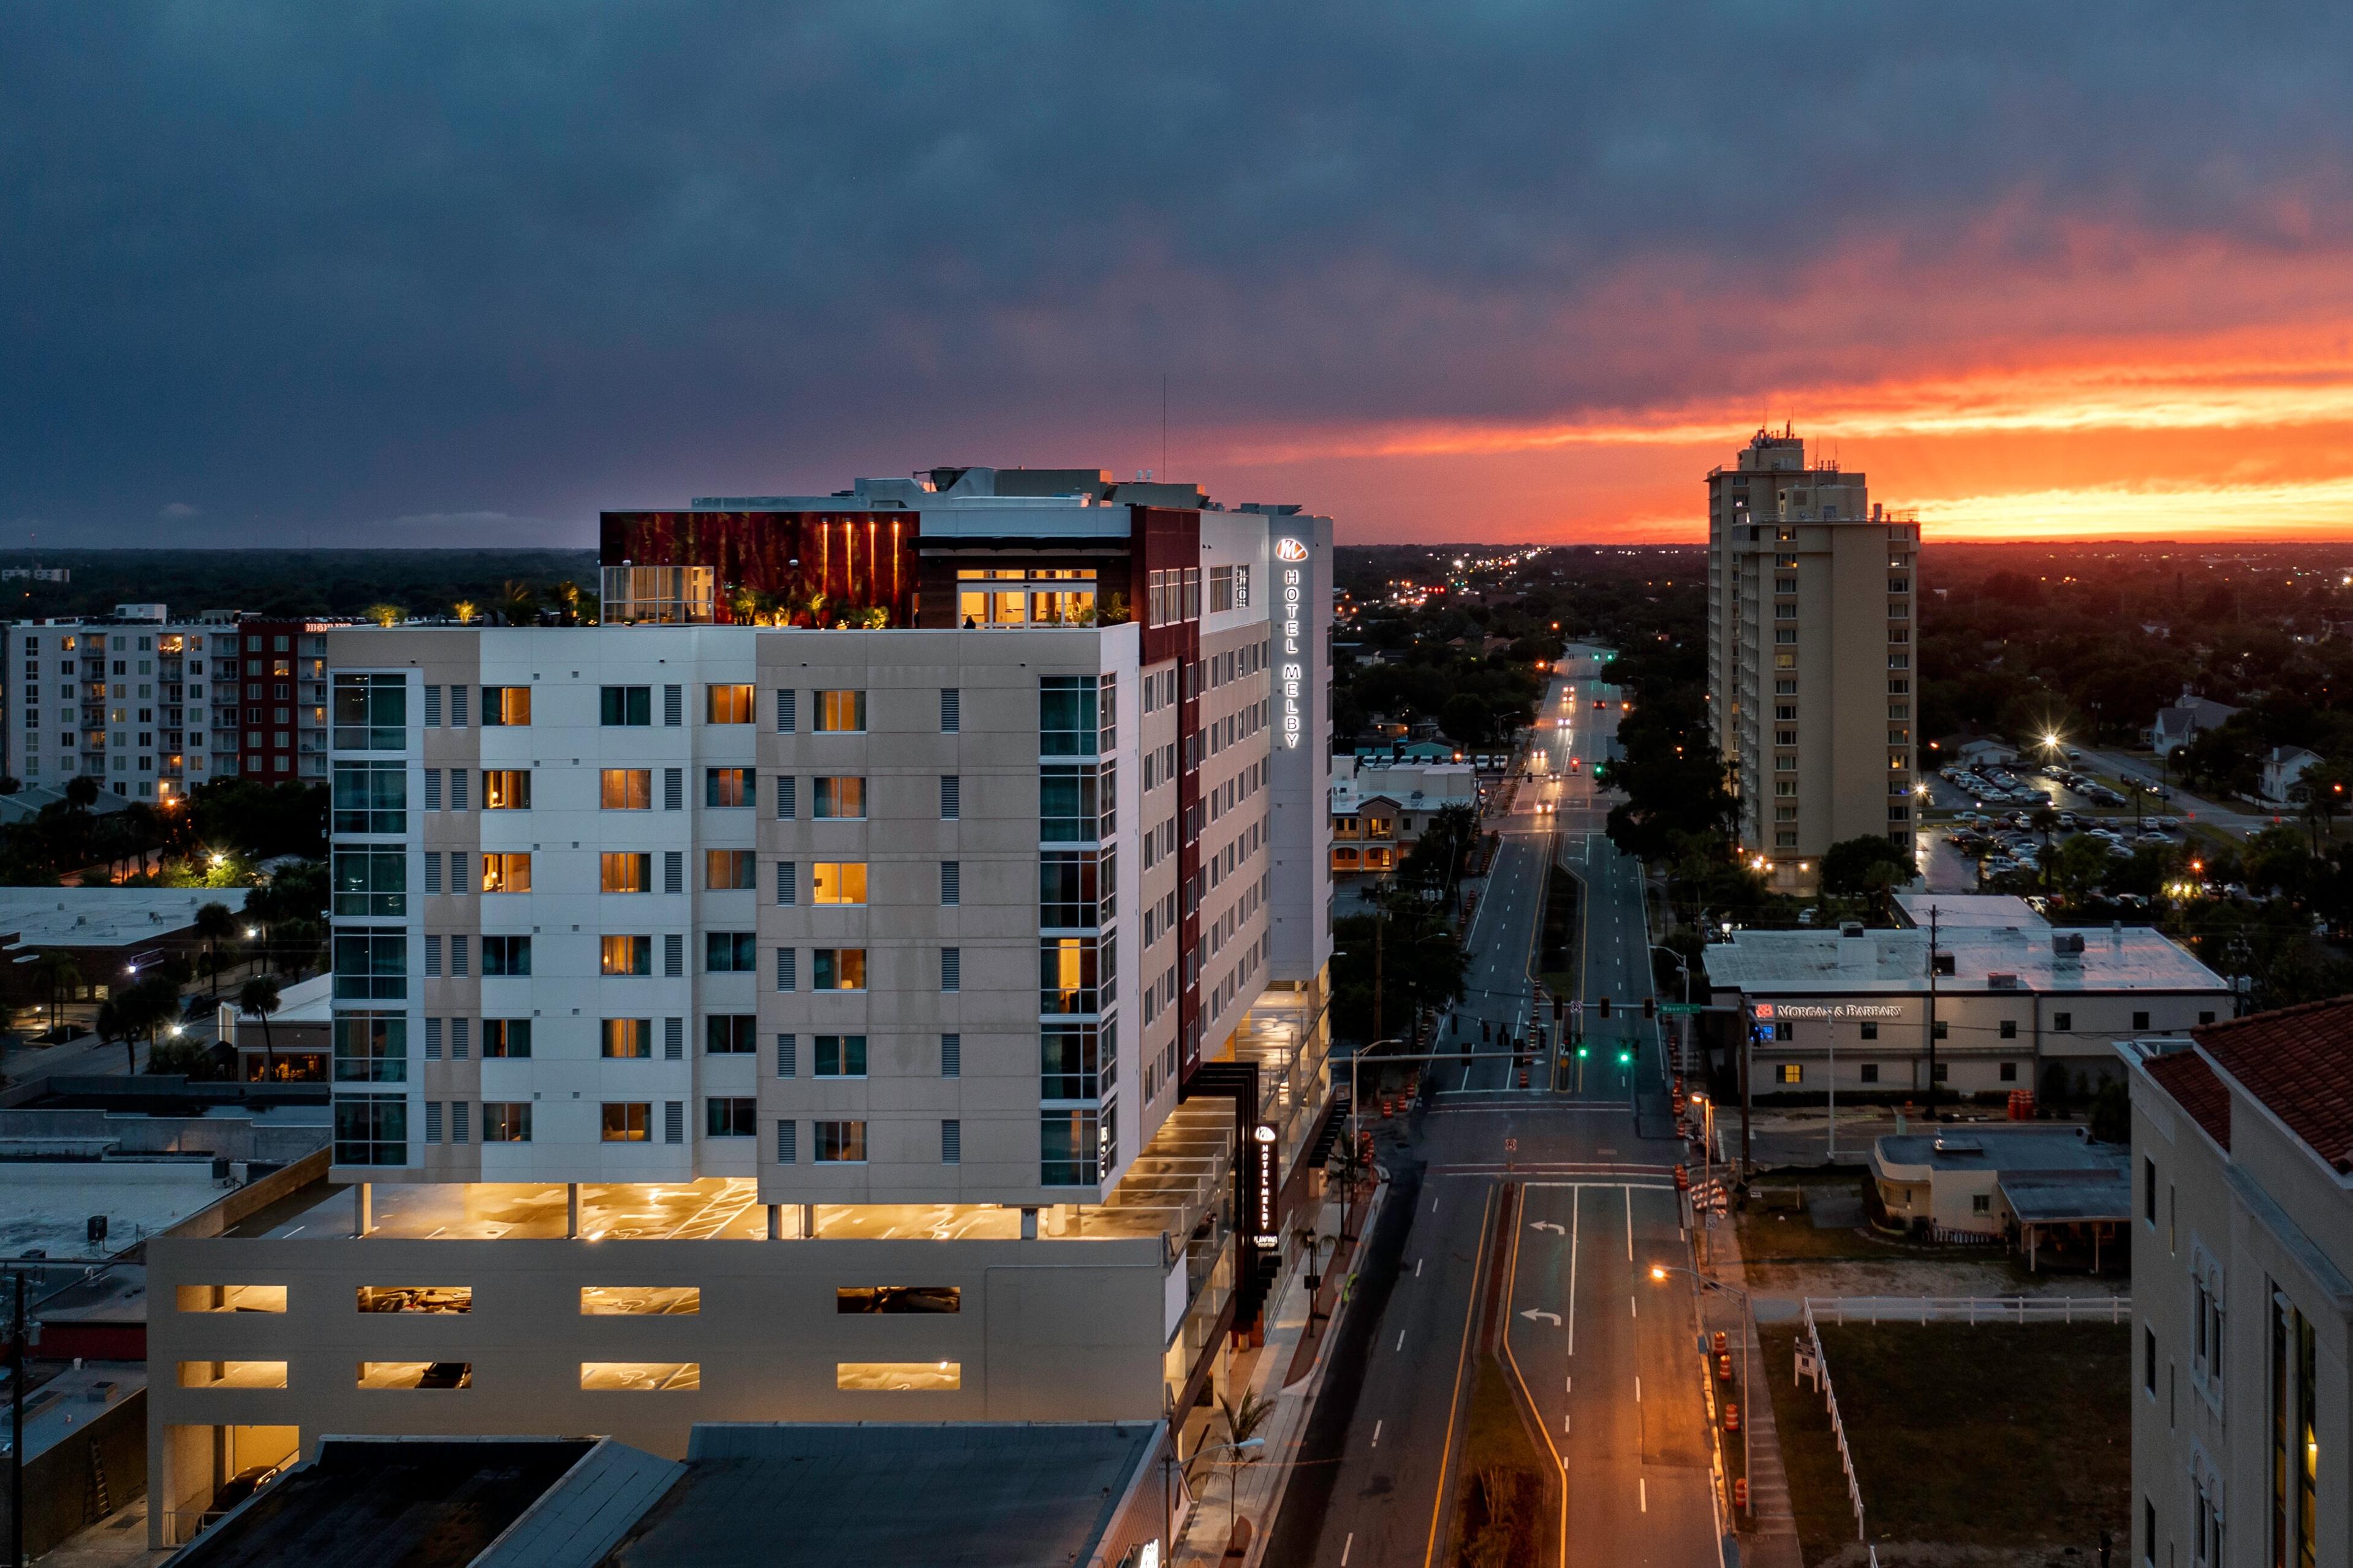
[
  {"x": 1233, "y": 1482},
  {"x": 1659, "y": 1272}
]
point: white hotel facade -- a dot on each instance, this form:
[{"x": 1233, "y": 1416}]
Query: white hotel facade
[{"x": 741, "y": 1021}]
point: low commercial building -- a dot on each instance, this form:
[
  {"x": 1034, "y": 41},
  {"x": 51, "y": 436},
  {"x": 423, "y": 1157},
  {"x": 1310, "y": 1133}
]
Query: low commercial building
[
  {"x": 1380, "y": 810},
  {"x": 292, "y": 1045},
  {"x": 895, "y": 991},
  {"x": 2006, "y": 998},
  {"x": 2055, "y": 1195},
  {"x": 2243, "y": 1287},
  {"x": 110, "y": 934}
]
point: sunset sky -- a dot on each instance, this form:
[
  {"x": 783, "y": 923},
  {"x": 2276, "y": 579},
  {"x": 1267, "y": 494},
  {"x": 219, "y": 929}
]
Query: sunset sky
[{"x": 448, "y": 274}]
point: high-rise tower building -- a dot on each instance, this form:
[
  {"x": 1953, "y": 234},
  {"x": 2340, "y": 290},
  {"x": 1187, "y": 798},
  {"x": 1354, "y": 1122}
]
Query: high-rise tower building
[{"x": 1810, "y": 642}]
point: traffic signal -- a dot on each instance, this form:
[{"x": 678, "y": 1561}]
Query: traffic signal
[
  {"x": 1649, "y": 1006},
  {"x": 1583, "y": 1050},
  {"x": 1556, "y": 1006},
  {"x": 1625, "y": 1057},
  {"x": 1605, "y": 1007}
]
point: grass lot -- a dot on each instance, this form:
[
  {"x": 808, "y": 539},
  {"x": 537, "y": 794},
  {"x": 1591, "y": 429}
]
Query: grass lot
[
  {"x": 2016, "y": 1436},
  {"x": 1505, "y": 1513},
  {"x": 1789, "y": 1235}
]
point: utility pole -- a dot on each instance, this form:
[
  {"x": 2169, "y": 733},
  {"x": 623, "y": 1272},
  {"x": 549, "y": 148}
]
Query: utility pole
[
  {"x": 1932, "y": 1012},
  {"x": 1747, "y": 1039},
  {"x": 16, "y": 1432}
]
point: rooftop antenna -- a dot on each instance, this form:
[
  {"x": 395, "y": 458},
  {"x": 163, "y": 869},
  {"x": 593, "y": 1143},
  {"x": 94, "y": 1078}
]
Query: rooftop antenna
[{"x": 1163, "y": 421}]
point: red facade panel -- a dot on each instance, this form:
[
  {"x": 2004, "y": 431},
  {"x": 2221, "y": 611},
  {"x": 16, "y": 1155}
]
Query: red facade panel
[{"x": 792, "y": 568}]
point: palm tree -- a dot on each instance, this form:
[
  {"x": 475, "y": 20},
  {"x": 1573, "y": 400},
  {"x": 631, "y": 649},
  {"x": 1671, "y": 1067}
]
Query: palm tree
[
  {"x": 58, "y": 974},
  {"x": 383, "y": 614},
  {"x": 568, "y": 595},
  {"x": 113, "y": 1026},
  {"x": 81, "y": 793},
  {"x": 258, "y": 999},
  {"x": 467, "y": 610},
  {"x": 2043, "y": 820},
  {"x": 518, "y": 602},
  {"x": 213, "y": 921}
]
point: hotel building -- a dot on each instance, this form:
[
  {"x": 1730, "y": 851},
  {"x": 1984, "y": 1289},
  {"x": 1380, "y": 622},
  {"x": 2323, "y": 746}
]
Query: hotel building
[
  {"x": 1811, "y": 642},
  {"x": 742, "y": 1018}
]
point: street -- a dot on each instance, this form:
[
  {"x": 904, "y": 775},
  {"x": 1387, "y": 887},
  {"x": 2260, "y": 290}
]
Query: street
[{"x": 1605, "y": 1355}]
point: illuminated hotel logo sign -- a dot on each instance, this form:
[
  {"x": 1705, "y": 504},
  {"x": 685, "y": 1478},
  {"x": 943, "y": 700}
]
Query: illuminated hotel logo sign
[
  {"x": 1293, "y": 673},
  {"x": 1263, "y": 1197}
]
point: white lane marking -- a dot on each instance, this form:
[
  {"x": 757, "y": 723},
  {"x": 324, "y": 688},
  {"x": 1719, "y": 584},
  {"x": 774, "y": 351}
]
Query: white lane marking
[
  {"x": 1401, "y": 1344},
  {"x": 1376, "y": 1435},
  {"x": 1638, "y": 1390},
  {"x": 1417, "y": 1268},
  {"x": 1569, "y": 1385},
  {"x": 1564, "y": 1425},
  {"x": 1343, "y": 1548},
  {"x": 1433, "y": 1205},
  {"x": 1629, "y": 1224},
  {"x": 1644, "y": 1483},
  {"x": 1575, "y": 1197},
  {"x": 1631, "y": 1310}
]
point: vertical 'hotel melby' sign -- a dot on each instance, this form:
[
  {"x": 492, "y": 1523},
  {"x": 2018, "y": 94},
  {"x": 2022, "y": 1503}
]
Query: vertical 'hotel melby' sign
[{"x": 1292, "y": 552}]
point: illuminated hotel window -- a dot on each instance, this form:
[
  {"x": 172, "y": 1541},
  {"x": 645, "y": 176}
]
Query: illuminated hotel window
[{"x": 1042, "y": 596}]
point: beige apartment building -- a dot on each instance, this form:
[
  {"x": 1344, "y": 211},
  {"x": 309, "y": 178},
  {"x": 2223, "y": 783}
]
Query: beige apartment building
[
  {"x": 921, "y": 1020},
  {"x": 2243, "y": 1291},
  {"x": 1811, "y": 591}
]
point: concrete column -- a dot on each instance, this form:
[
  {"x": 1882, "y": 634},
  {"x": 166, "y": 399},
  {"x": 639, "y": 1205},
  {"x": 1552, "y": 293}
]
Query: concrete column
[
  {"x": 571, "y": 1211},
  {"x": 1029, "y": 1225},
  {"x": 362, "y": 1208},
  {"x": 775, "y": 1222},
  {"x": 809, "y": 1222}
]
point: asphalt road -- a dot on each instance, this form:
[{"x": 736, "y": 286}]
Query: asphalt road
[{"x": 1600, "y": 1208}]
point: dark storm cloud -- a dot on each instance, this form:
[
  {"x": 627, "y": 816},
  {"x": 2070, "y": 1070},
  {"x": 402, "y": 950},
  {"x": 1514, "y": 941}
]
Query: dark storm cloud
[{"x": 335, "y": 266}]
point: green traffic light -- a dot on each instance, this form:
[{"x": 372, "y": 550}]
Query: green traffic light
[
  {"x": 1583, "y": 1052},
  {"x": 1625, "y": 1056}
]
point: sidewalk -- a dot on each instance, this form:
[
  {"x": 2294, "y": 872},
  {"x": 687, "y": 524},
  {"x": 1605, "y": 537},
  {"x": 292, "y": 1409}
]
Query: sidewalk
[
  {"x": 1770, "y": 1537},
  {"x": 1256, "y": 1488}
]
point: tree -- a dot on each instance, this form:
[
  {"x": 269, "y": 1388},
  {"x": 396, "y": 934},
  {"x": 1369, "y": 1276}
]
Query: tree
[
  {"x": 1466, "y": 720},
  {"x": 1438, "y": 857},
  {"x": 1419, "y": 967},
  {"x": 258, "y": 999},
  {"x": 1866, "y": 867},
  {"x": 112, "y": 1025},
  {"x": 2322, "y": 791},
  {"x": 190, "y": 1058},
  {"x": 2079, "y": 867},
  {"x": 2111, "y": 1119},
  {"x": 81, "y": 793},
  {"x": 58, "y": 974},
  {"x": 294, "y": 946},
  {"x": 214, "y": 922}
]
